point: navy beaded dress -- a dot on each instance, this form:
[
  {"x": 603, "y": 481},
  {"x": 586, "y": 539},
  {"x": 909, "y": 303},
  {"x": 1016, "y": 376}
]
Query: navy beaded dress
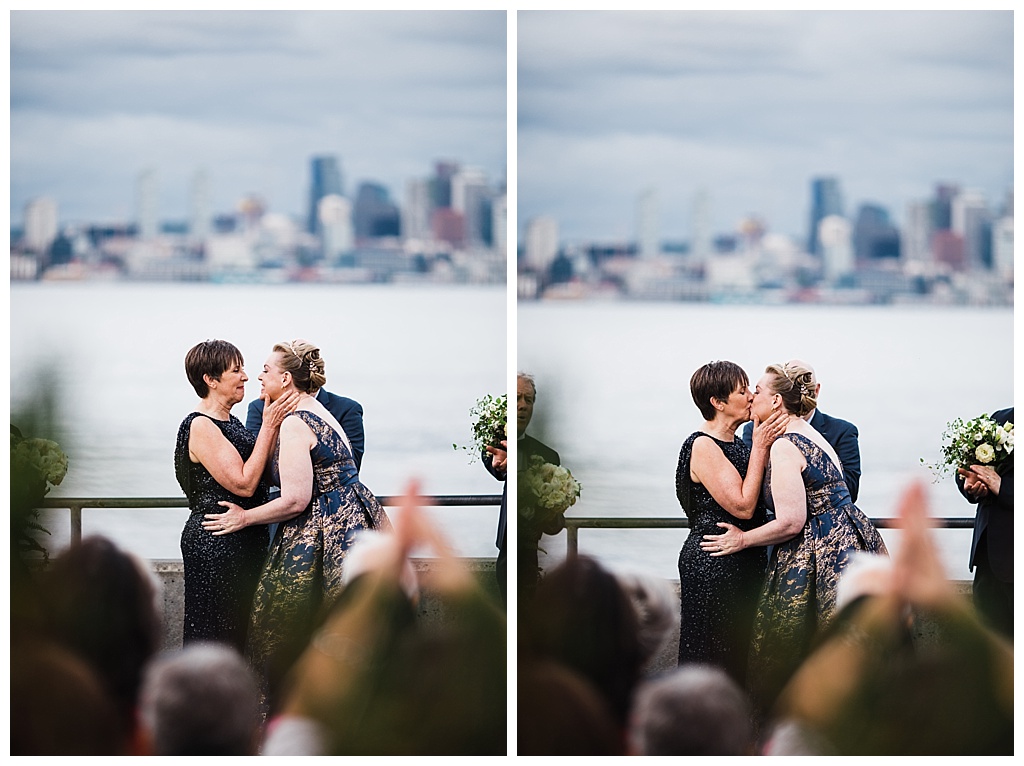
[
  {"x": 799, "y": 596},
  {"x": 302, "y": 576},
  {"x": 221, "y": 571},
  {"x": 718, "y": 594}
]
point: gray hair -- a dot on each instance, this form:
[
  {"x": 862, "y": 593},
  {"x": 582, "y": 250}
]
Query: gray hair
[
  {"x": 202, "y": 700},
  {"x": 656, "y": 607},
  {"x": 693, "y": 710}
]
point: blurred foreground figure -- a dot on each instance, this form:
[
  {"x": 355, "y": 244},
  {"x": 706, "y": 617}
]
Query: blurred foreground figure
[
  {"x": 867, "y": 690},
  {"x": 375, "y": 680},
  {"x": 694, "y": 710},
  {"x": 203, "y": 700}
]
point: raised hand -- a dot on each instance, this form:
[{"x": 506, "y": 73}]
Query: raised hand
[
  {"x": 499, "y": 456},
  {"x": 764, "y": 434},
  {"x": 275, "y": 412}
]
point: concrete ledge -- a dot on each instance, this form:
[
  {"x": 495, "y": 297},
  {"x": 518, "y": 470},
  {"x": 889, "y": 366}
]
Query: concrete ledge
[{"x": 170, "y": 574}]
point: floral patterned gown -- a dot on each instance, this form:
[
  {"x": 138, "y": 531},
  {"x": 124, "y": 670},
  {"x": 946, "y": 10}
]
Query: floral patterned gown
[
  {"x": 221, "y": 571},
  {"x": 303, "y": 570},
  {"x": 799, "y": 596},
  {"x": 718, "y": 594}
]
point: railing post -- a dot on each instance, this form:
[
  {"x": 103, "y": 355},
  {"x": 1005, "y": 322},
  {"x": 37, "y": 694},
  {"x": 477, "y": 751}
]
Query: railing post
[
  {"x": 76, "y": 524},
  {"x": 572, "y": 539}
]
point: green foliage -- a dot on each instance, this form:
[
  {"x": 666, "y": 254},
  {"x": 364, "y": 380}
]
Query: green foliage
[
  {"x": 490, "y": 415},
  {"x": 980, "y": 441}
]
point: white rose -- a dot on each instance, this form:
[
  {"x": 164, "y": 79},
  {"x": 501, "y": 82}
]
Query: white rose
[{"x": 985, "y": 453}]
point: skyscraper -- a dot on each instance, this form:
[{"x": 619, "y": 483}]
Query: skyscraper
[
  {"x": 146, "y": 202},
  {"x": 826, "y": 200},
  {"x": 648, "y": 244},
  {"x": 326, "y": 179},
  {"x": 40, "y": 224}
]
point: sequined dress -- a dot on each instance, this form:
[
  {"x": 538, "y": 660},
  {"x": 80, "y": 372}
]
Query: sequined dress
[
  {"x": 221, "y": 571},
  {"x": 302, "y": 575},
  {"x": 718, "y": 594},
  {"x": 799, "y": 595}
]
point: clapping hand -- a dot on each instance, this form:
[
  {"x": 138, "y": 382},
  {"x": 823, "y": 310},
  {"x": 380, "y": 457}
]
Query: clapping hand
[{"x": 980, "y": 480}]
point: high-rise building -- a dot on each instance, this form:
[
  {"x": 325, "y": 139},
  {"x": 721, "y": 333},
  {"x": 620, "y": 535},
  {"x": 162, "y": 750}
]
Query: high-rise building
[
  {"x": 373, "y": 213},
  {"x": 1002, "y": 246},
  {"x": 874, "y": 236},
  {"x": 836, "y": 242},
  {"x": 40, "y": 224},
  {"x": 826, "y": 200},
  {"x": 647, "y": 225},
  {"x": 970, "y": 219},
  {"x": 417, "y": 209},
  {"x": 541, "y": 243},
  {"x": 441, "y": 183},
  {"x": 916, "y": 236},
  {"x": 325, "y": 179},
  {"x": 499, "y": 225},
  {"x": 334, "y": 218},
  {"x": 199, "y": 206},
  {"x": 147, "y": 216},
  {"x": 471, "y": 196}
]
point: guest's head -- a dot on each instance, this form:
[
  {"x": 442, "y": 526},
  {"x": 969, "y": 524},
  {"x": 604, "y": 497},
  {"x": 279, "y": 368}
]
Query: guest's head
[
  {"x": 656, "y": 606},
  {"x": 526, "y": 395},
  {"x": 293, "y": 365},
  {"x": 694, "y": 710},
  {"x": 560, "y": 713},
  {"x": 721, "y": 388},
  {"x": 202, "y": 700},
  {"x": 582, "y": 617},
  {"x": 100, "y": 603},
  {"x": 790, "y": 386},
  {"x": 59, "y": 706},
  {"x": 206, "y": 363}
]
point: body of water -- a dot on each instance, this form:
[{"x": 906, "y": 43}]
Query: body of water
[
  {"x": 416, "y": 357},
  {"x": 613, "y": 398}
]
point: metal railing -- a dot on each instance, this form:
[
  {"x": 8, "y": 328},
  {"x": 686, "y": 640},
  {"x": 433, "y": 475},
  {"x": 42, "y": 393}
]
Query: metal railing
[
  {"x": 573, "y": 524},
  {"x": 75, "y": 505}
]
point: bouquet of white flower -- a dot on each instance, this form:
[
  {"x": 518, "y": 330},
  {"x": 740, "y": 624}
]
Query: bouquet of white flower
[
  {"x": 37, "y": 465},
  {"x": 980, "y": 441},
  {"x": 550, "y": 489},
  {"x": 490, "y": 413}
]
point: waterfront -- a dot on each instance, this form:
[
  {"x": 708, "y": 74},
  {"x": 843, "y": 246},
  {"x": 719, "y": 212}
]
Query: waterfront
[
  {"x": 614, "y": 399},
  {"x": 416, "y": 358}
]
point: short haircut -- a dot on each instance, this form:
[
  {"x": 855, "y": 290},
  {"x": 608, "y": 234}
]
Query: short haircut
[
  {"x": 213, "y": 358},
  {"x": 202, "y": 700},
  {"x": 715, "y": 380},
  {"x": 693, "y": 710},
  {"x": 529, "y": 379}
]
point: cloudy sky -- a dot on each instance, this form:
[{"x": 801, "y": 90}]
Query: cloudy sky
[
  {"x": 97, "y": 97},
  {"x": 750, "y": 106}
]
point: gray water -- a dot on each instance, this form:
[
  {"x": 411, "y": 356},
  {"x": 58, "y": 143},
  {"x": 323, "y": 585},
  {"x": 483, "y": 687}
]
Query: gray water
[
  {"x": 417, "y": 358},
  {"x": 614, "y": 399}
]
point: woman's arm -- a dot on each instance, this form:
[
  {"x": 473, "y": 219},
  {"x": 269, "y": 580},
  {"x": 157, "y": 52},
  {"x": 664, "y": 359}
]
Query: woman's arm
[
  {"x": 208, "y": 445},
  {"x": 710, "y": 467},
  {"x": 790, "y": 507},
  {"x": 296, "y": 466}
]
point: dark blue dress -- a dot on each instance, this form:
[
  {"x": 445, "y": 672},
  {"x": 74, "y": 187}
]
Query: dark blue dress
[
  {"x": 302, "y": 576},
  {"x": 718, "y": 594},
  {"x": 799, "y": 596},
  {"x": 221, "y": 571}
]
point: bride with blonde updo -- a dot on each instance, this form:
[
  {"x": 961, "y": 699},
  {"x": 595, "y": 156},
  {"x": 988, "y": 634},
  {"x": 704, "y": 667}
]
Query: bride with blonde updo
[
  {"x": 323, "y": 505},
  {"x": 814, "y": 533}
]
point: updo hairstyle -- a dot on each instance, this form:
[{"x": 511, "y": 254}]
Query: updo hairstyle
[
  {"x": 715, "y": 380},
  {"x": 213, "y": 358},
  {"x": 796, "y": 385},
  {"x": 302, "y": 359}
]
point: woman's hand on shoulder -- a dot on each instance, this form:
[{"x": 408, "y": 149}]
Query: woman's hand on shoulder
[
  {"x": 764, "y": 434},
  {"x": 275, "y": 412}
]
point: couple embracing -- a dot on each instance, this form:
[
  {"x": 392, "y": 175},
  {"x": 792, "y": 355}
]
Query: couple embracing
[
  {"x": 266, "y": 603},
  {"x": 752, "y": 612}
]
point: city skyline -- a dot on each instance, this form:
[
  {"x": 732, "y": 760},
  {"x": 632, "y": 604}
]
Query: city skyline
[
  {"x": 98, "y": 98},
  {"x": 742, "y": 110}
]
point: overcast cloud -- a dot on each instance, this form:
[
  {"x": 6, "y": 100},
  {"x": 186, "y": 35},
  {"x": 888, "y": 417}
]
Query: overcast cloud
[
  {"x": 751, "y": 106},
  {"x": 97, "y": 97}
]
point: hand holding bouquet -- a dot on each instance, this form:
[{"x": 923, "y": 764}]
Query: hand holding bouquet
[
  {"x": 490, "y": 414},
  {"x": 545, "y": 491}
]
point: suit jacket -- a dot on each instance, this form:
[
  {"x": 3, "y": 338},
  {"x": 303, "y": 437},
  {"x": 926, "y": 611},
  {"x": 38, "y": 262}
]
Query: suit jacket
[
  {"x": 843, "y": 437},
  {"x": 348, "y": 412},
  {"x": 995, "y": 517},
  {"x": 500, "y": 476}
]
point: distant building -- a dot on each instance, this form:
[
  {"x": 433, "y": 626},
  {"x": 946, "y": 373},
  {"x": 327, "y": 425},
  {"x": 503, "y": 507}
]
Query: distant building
[
  {"x": 40, "y": 224},
  {"x": 471, "y": 196},
  {"x": 147, "y": 213},
  {"x": 441, "y": 183},
  {"x": 826, "y": 200},
  {"x": 325, "y": 179},
  {"x": 874, "y": 236},
  {"x": 334, "y": 216},
  {"x": 835, "y": 237},
  {"x": 499, "y": 225},
  {"x": 541, "y": 243},
  {"x": 701, "y": 247},
  {"x": 374, "y": 215},
  {"x": 199, "y": 206},
  {"x": 449, "y": 226},
  {"x": 971, "y": 220},
  {"x": 1002, "y": 247},
  {"x": 416, "y": 210},
  {"x": 647, "y": 224},
  {"x": 916, "y": 236}
]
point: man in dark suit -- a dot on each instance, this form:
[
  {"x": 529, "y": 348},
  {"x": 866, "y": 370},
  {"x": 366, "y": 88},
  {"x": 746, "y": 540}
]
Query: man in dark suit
[
  {"x": 529, "y": 534},
  {"x": 348, "y": 412},
  {"x": 841, "y": 434},
  {"x": 496, "y": 462},
  {"x": 992, "y": 544}
]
